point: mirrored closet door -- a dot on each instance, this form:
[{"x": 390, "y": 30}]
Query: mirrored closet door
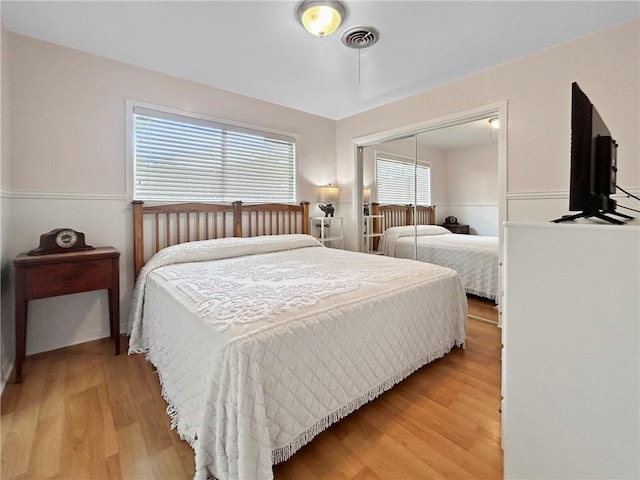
[
  {"x": 448, "y": 176},
  {"x": 443, "y": 176},
  {"x": 390, "y": 171}
]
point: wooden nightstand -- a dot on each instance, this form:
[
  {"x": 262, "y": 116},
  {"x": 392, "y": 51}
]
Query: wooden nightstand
[
  {"x": 456, "y": 228},
  {"x": 56, "y": 274}
]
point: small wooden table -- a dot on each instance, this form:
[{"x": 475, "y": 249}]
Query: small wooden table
[
  {"x": 456, "y": 228},
  {"x": 42, "y": 276}
]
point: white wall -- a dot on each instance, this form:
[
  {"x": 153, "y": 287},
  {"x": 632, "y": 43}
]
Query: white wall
[
  {"x": 571, "y": 363},
  {"x": 537, "y": 89},
  {"x": 67, "y": 165}
]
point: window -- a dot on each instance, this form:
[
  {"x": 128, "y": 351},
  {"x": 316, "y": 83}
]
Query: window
[
  {"x": 395, "y": 180},
  {"x": 181, "y": 158}
]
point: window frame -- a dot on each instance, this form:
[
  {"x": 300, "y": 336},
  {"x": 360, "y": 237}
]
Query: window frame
[{"x": 199, "y": 118}]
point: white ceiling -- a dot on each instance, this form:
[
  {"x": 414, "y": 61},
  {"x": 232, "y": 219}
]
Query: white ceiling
[
  {"x": 473, "y": 133},
  {"x": 469, "y": 134},
  {"x": 258, "y": 48}
]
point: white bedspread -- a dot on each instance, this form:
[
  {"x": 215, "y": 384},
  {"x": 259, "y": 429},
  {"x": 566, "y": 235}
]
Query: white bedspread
[
  {"x": 327, "y": 331},
  {"x": 474, "y": 257}
]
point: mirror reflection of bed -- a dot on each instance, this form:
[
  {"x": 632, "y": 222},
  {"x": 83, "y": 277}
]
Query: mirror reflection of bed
[
  {"x": 410, "y": 232},
  {"x": 455, "y": 169}
]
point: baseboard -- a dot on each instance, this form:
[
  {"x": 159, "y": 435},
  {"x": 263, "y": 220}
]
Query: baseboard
[{"x": 482, "y": 319}]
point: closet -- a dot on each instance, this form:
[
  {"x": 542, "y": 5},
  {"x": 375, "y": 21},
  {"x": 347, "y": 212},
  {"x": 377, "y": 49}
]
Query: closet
[
  {"x": 455, "y": 163},
  {"x": 455, "y": 168}
]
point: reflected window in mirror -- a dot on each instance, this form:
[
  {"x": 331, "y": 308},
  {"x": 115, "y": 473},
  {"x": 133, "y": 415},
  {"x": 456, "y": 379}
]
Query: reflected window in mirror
[{"x": 396, "y": 177}]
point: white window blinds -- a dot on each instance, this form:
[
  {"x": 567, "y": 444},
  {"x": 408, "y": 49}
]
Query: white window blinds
[
  {"x": 395, "y": 178},
  {"x": 178, "y": 158}
]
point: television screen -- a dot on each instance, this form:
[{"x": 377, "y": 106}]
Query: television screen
[{"x": 593, "y": 163}]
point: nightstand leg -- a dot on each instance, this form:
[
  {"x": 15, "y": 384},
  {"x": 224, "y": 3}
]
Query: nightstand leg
[
  {"x": 114, "y": 303},
  {"x": 114, "y": 317},
  {"x": 21, "y": 337}
]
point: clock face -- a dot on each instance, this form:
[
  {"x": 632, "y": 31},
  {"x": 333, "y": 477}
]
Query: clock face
[{"x": 66, "y": 238}]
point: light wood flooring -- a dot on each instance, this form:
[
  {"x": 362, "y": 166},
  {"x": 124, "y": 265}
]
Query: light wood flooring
[{"x": 83, "y": 413}]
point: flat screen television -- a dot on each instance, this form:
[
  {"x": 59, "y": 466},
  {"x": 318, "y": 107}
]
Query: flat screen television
[{"x": 593, "y": 163}]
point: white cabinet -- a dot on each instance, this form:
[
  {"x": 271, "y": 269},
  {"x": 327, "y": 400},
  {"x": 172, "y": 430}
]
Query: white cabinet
[
  {"x": 571, "y": 367},
  {"x": 373, "y": 233},
  {"x": 328, "y": 230}
]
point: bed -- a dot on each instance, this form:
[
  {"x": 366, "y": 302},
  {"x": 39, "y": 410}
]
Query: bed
[
  {"x": 263, "y": 341},
  {"x": 474, "y": 257}
]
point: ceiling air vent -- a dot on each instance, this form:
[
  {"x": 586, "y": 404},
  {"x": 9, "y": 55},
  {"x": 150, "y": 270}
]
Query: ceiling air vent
[{"x": 360, "y": 37}]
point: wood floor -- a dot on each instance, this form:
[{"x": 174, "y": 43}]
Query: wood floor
[{"x": 82, "y": 413}]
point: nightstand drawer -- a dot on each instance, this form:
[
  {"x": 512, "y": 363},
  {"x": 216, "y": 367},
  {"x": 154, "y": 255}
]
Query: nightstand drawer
[{"x": 65, "y": 278}]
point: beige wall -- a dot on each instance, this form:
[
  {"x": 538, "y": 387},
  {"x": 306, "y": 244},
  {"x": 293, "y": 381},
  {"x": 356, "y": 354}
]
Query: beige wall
[
  {"x": 6, "y": 312},
  {"x": 64, "y": 163},
  {"x": 472, "y": 175},
  {"x": 464, "y": 181},
  {"x": 69, "y": 120},
  {"x": 537, "y": 89},
  {"x": 405, "y": 147},
  {"x": 67, "y": 159}
]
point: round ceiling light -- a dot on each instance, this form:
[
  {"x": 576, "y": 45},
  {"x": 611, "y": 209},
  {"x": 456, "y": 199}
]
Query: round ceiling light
[{"x": 321, "y": 17}]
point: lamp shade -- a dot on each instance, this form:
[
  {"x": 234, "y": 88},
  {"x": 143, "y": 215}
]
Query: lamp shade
[
  {"x": 329, "y": 194},
  {"x": 366, "y": 195},
  {"x": 321, "y": 17}
]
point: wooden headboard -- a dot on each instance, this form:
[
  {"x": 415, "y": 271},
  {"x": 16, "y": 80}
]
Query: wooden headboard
[
  {"x": 175, "y": 223},
  {"x": 400, "y": 215}
]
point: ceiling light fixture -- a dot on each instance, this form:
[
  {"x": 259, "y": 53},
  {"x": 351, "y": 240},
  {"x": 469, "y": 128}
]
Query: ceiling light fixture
[{"x": 321, "y": 17}]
